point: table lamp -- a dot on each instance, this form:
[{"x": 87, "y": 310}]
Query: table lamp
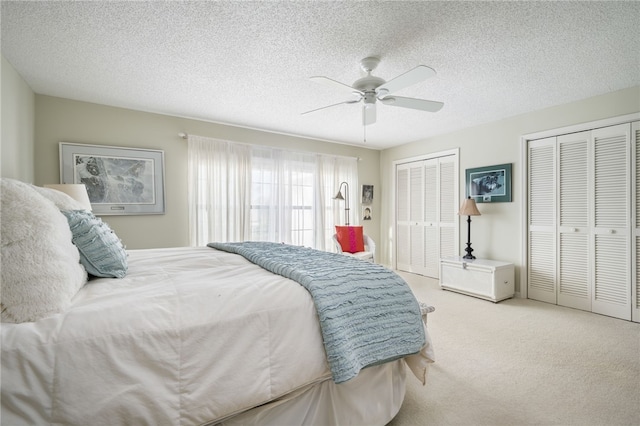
[{"x": 469, "y": 209}]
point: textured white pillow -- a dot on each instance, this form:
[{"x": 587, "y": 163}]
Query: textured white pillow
[
  {"x": 41, "y": 268},
  {"x": 60, "y": 199}
]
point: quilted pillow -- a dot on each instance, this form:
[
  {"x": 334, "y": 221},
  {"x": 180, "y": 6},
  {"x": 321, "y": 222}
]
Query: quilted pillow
[
  {"x": 350, "y": 238},
  {"x": 41, "y": 270},
  {"x": 101, "y": 251}
]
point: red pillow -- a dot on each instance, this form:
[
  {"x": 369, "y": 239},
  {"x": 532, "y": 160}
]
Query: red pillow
[{"x": 350, "y": 238}]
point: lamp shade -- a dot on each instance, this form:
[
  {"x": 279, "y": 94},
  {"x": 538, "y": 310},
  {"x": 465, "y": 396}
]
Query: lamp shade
[
  {"x": 469, "y": 208},
  {"x": 76, "y": 191}
]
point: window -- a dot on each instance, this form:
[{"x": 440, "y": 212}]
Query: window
[{"x": 240, "y": 192}]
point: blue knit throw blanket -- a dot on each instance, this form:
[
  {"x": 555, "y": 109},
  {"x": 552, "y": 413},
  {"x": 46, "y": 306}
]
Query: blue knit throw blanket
[{"x": 368, "y": 314}]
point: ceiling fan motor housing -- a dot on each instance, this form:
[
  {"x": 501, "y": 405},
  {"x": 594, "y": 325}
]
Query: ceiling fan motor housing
[
  {"x": 368, "y": 83},
  {"x": 369, "y": 97}
]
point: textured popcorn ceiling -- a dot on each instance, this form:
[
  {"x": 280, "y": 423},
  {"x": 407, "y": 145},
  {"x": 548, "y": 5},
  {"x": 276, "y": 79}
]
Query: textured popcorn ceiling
[{"x": 249, "y": 63}]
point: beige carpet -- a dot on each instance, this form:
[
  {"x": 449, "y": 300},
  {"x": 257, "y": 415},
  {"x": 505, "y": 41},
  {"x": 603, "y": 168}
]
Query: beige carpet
[{"x": 522, "y": 362}]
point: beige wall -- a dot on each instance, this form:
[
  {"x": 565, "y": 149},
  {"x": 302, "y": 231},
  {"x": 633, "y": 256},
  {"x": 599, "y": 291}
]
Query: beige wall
[
  {"x": 63, "y": 120},
  {"x": 497, "y": 233},
  {"x": 17, "y": 125}
]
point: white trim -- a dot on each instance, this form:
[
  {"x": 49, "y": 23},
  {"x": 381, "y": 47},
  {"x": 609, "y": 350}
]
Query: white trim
[
  {"x": 423, "y": 157},
  {"x": 524, "y": 219},
  {"x": 590, "y": 125},
  {"x": 524, "y": 140}
]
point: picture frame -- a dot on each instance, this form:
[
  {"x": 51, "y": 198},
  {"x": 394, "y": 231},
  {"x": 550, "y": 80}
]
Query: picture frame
[
  {"x": 367, "y": 194},
  {"x": 366, "y": 212},
  {"x": 491, "y": 184},
  {"x": 119, "y": 180}
]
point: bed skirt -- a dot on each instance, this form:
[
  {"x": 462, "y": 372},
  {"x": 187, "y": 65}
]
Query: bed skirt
[{"x": 374, "y": 397}]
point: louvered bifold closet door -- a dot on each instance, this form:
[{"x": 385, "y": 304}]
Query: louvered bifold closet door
[
  {"x": 410, "y": 224},
  {"x": 402, "y": 218},
  {"x": 431, "y": 254},
  {"x": 611, "y": 249},
  {"x": 416, "y": 218},
  {"x": 635, "y": 205},
  {"x": 541, "y": 191},
  {"x": 574, "y": 186},
  {"x": 449, "y": 239}
]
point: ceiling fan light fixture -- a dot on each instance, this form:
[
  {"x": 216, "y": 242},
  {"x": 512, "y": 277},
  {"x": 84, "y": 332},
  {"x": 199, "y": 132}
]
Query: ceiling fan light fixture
[{"x": 368, "y": 114}]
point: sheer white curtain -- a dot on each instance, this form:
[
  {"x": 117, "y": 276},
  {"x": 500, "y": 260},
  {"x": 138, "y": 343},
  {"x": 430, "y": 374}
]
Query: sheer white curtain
[
  {"x": 244, "y": 192},
  {"x": 219, "y": 190},
  {"x": 282, "y": 196}
]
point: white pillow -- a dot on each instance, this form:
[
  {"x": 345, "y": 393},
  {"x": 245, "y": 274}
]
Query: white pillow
[
  {"x": 41, "y": 268},
  {"x": 60, "y": 199}
]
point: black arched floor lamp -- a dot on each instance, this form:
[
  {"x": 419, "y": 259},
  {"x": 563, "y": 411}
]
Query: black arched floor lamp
[{"x": 345, "y": 199}]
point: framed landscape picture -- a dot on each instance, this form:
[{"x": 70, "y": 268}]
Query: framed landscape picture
[
  {"x": 490, "y": 184},
  {"x": 119, "y": 181}
]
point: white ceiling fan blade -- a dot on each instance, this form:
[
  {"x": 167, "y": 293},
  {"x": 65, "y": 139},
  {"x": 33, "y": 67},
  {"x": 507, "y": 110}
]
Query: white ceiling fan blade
[
  {"x": 333, "y": 83},
  {"x": 413, "y": 103},
  {"x": 368, "y": 114},
  {"x": 411, "y": 77},
  {"x": 353, "y": 101}
]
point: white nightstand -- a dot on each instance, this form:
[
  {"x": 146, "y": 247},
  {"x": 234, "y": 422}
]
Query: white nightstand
[{"x": 486, "y": 279}]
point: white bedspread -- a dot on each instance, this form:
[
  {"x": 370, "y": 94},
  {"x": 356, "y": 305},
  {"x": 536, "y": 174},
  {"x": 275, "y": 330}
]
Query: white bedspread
[{"x": 191, "y": 335}]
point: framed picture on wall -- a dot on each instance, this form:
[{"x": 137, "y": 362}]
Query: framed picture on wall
[
  {"x": 367, "y": 194},
  {"x": 366, "y": 213},
  {"x": 490, "y": 184},
  {"x": 119, "y": 181}
]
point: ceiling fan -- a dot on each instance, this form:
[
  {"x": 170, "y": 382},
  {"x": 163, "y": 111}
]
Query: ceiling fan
[{"x": 370, "y": 89}]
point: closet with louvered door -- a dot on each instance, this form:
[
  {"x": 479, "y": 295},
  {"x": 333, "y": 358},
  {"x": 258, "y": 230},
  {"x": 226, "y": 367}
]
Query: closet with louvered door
[
  {"x": 579, "y": 221},
  {"x": 426, "y": 201}
]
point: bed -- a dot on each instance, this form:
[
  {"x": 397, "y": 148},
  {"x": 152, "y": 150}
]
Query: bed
[{"x": 187, "y": 336}]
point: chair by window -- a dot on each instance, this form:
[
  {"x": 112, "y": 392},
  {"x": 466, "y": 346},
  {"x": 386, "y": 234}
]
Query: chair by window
[{"x": 368, "y": 253}]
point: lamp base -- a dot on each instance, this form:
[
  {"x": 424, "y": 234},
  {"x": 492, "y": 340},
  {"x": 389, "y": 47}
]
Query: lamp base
[{"x": 469, "y": 250}]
